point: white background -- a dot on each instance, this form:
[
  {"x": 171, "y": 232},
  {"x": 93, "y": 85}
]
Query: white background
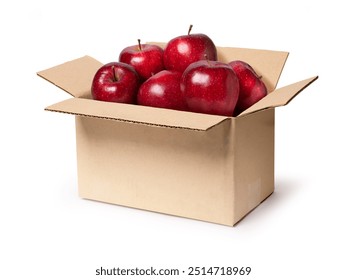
[{"x": 48, "y": 232}]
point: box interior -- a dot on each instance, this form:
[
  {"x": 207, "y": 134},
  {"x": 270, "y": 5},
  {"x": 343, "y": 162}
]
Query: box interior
[{"x": 75, "y": 77}]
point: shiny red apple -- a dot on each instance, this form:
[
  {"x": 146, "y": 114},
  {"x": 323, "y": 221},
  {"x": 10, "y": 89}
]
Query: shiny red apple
[
  {"x": 162, "y": 90},
  {"x": 115, "y": 82},
  {"x": 252, "y": 88},
  {"x": 183, "y": 50},
  {"x": 147, "y": 59},
  {"x": 210, "y": 87}
]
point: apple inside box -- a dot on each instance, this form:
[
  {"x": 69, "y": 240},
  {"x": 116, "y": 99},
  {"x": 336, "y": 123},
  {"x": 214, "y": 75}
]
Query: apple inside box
[{"x": 205, "y": 167}]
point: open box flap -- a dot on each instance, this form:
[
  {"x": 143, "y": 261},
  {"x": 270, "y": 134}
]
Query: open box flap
[
  {"x": 137, "y": 114},
  {"x": 280, "y": 97},
  {"x": 75, "y": 77}
]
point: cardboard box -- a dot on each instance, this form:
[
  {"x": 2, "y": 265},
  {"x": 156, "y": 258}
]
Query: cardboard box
[{"x": 199, "y": 166}]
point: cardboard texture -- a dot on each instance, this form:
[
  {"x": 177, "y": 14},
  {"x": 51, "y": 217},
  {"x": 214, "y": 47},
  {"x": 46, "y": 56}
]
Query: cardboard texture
[{"x": 199, "y": 166}]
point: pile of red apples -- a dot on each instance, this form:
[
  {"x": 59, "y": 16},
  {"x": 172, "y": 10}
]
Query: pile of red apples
[{"x": 184, "y": 75}]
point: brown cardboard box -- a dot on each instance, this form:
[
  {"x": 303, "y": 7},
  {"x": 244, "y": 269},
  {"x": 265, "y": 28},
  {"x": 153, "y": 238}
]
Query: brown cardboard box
[{"x": 199, "y": 166}]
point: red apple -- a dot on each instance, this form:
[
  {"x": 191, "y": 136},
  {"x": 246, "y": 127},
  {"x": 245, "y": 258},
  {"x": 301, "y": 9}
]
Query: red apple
[
  {"x": 147, "y": 59},
  {"x": 183, "y": 50},
  {"x": 162, "y": 90},
  {"x": 252, "y": 88},
  {"x": 115, "y": 82},
  {"x": 210, "y": 87}
]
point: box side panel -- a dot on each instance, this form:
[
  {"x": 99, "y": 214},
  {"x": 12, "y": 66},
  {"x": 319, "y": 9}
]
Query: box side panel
[
  {"x": 254, "y": 160},
  {"x": 177, "y": 172}
]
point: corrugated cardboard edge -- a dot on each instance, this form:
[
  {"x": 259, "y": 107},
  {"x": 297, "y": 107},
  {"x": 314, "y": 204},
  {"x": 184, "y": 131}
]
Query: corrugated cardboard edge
[{"x": 137, "y": 114}]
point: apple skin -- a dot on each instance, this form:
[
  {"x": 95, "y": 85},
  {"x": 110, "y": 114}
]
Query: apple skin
[
  {"x": 252, "y": 88},
  {"x": 147, "y": 59},
  {"x": 115, "y": 82},
  {"x": 210, "y": 87},
  {"x": 162, "y": 90},
  {"x": 183, "y": 50}
]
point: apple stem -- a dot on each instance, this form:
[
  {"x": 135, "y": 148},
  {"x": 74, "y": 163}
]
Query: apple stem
[
  {"x": 139, "y": 44},
  {"x": 206, "y": 57},
  {"x": 114, "y": 74},
  {"x": 190, "y": 28}
]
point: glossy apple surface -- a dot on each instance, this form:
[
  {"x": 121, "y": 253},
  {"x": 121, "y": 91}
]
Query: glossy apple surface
[
  {"x": 162, "y": 90},
  {"x": 183, "y": 50},
  {"x": 252, "y": 88},
  {"x": 147, "y": 59},
  {"x": 115, "y": 82},
  {"x": 210, "y": 87}
]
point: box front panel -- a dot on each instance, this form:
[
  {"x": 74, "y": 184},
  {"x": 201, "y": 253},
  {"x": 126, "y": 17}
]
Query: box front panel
[{"x": 173, "y": 171}]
